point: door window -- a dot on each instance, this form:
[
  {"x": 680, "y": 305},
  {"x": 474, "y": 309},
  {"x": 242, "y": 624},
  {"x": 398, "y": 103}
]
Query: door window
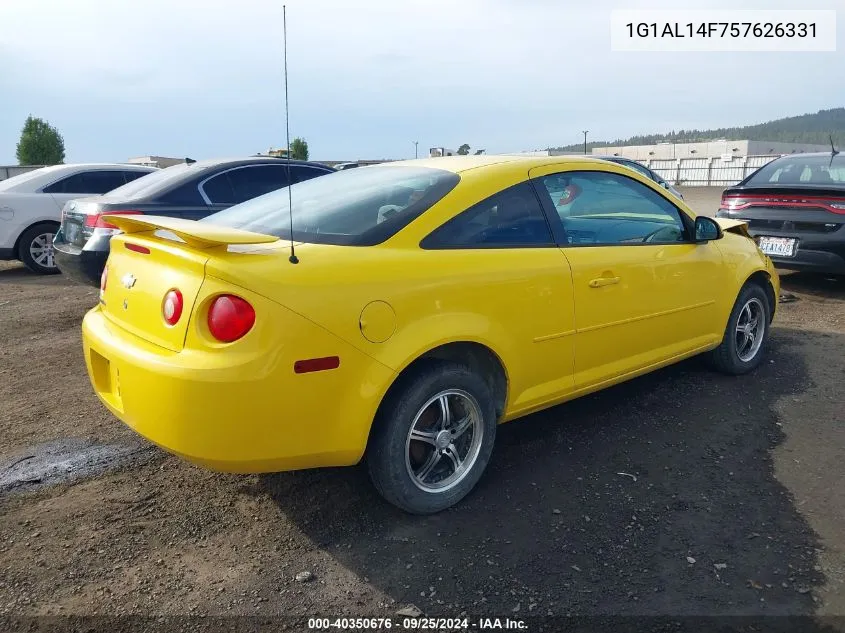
[
  {"x": 89, "y": 182},
  {"x": 251, "y": 182},
  {"x": 602, "y": 208},
  {"x": 512, "y": 218}
]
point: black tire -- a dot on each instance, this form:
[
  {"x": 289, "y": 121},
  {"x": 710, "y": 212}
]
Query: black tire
[
  {"x": 26, "y": 244},
  {"x": 727, "y": 358},
  {"x": 390, "y": 440}
]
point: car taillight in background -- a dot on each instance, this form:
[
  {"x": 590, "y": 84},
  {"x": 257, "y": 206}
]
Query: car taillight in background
[
  {"x": 97, "y": 221},
  {"x": 171, "y": 307},
  {"x": 230, "y": 318},
  {"x": 104, "y": 277},
  {"x": 739, "y": 202}
]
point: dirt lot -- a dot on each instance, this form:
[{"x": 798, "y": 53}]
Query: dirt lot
[{"x": 680, "y": 493}]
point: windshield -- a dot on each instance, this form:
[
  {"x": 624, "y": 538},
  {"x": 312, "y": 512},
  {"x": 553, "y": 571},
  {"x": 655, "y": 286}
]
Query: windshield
[
  {"x": 153, "y": 182},
  {"x": 355, "y": 207},
  {"x": 802, "y": 170}
]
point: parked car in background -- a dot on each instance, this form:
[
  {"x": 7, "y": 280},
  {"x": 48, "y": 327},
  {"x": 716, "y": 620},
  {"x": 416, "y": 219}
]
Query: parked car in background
[
  {"x": 645, "y": 171},
  {"x": 31, "y": 206},
  {"x": 433, "y": 300},
  {"x": 190, "y": 190},
  {"x": 795, "y": 207}
]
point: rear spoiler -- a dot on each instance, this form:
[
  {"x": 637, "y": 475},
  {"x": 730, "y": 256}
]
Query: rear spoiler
[
  {"x": 193, "y": 233},
  {"x": 740, "y": 227}
]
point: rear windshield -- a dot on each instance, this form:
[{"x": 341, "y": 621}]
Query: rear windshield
[
  {"x": 354, "y": 207},
  {"x": 154, "y": 182},
  {"x": 802, "y": 170}
]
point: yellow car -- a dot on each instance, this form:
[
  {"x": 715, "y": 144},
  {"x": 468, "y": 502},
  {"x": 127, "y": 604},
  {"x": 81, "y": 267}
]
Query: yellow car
[{"x": 419, "y": 304}]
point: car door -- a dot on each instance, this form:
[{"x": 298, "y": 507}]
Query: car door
[
  {"x": 644, "y": 291},
  {"x": 502, "y": 261}
]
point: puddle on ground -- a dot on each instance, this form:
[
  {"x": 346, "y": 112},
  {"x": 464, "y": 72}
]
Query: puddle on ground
[{"x": 67, "y": 460}]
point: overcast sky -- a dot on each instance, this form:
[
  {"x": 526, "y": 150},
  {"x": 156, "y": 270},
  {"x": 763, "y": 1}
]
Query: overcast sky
[{"x": 204, "y": 79}]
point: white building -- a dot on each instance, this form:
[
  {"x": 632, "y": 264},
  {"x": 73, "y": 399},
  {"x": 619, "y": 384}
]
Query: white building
[{"x": 709, "y": 149}]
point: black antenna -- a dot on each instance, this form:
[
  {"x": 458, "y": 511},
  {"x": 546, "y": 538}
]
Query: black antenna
[
  {"x": 833, "y": 152},
  {"x": 293, "y": 259}
]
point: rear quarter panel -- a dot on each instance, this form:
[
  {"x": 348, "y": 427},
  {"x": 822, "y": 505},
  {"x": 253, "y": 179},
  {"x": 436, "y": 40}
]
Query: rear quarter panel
[{"x": 20, "y": 211}]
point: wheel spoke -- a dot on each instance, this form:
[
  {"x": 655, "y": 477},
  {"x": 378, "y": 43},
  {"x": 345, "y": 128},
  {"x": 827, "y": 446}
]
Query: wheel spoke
[
  {"x": 445, "y": 413},
  {"x": 424, "y": 436},
  {"x": 451, "y": 452},
  {"x": 461, "y": 426},
  {"x": 745, "y": 341},
  {"x": 429, "y": 465}
]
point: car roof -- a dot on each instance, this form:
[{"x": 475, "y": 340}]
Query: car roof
[
  {"x": 35, "y": 179},
  {"x": 459, "y": 164},
  {"x": 246, "y": 160}
]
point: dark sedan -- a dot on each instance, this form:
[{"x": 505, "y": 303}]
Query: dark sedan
[
  {"x": 645, "y": 171},
  {"x": 191, "y": 190},
  {"x": 795, "y": 209}
]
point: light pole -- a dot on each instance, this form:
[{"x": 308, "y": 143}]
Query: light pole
[
  {"x": 416, "y": 143},
  {"x": 585, "y": 140}
]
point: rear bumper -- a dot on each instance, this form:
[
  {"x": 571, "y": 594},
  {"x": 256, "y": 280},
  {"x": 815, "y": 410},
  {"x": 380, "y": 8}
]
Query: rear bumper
[
  {"x": 822, "y": 252},
  {"x": 236, "y": 412},
  {"x": 81, "y": 265}
]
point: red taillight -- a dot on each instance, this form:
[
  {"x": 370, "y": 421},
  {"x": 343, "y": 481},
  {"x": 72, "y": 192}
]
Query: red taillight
[
  {"x": 171, "y": 308},
  {"x": 96, "y": 220},
  {"x": 229, "y": 318},
  {"x": 738, "y": 202}
]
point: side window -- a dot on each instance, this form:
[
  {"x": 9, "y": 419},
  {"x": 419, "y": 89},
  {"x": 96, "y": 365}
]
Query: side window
[
  {"x": 89, "y": 182},
  {"x": 101, "y": 181},
  {"x": 299, "y": 173},
  {"x": 601, "y": 208},
  {"x": 187, "y": 195},
  {"x": 134, "y": 175},
  {"x": 639, "y": 168},
  {"x": 218, "y": 189},
  {"x": 251, "y": 182},
  {"x": 71, "y": 184},
  {"x": 511, "y": 218}
]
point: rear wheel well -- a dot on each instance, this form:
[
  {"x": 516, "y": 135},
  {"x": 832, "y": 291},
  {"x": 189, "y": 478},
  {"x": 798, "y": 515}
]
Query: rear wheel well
[
  {"x": 17, "y": 246},
  {"x": 762, "y": 279},
  {"x": 479, "y": 358}
]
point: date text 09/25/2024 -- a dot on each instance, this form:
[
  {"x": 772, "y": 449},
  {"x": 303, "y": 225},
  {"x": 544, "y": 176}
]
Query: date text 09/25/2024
[
  {"x": 722, "y": 29},
  {"x": 418, "y": 624}
]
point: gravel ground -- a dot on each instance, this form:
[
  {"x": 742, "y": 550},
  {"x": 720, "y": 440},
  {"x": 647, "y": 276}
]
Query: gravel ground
[{"x": 681, "y": 493}]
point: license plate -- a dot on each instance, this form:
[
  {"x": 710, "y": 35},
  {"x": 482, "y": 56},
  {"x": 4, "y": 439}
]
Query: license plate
[
  {"x": 778, "y": 246},
  {"x": 71, "y": 231}
]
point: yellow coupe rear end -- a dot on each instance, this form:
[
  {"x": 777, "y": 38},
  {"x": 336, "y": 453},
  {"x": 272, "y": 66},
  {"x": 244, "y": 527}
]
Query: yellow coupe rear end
[{"x": 214, "y": 372}]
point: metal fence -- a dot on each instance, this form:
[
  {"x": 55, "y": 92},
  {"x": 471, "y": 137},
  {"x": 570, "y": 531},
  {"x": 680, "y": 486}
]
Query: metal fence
[
  {"x": 707, "y": 172},
  {"x": 7, "y": 171}
]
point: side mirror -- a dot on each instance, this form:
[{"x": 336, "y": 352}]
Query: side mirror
[{"x": 706, "y": 229}]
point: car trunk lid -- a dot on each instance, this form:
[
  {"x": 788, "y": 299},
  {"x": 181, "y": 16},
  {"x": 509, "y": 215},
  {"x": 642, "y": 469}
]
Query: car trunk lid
[
  {"x": 154, "y": 256},
  {"x": 790, "y": 209}
]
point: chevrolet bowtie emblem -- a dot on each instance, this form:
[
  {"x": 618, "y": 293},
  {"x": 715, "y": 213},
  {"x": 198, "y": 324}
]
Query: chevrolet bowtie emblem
[{"x": 128, "y": 280}]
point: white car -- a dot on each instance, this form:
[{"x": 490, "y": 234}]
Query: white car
[{"x": 31, "y": 206}]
